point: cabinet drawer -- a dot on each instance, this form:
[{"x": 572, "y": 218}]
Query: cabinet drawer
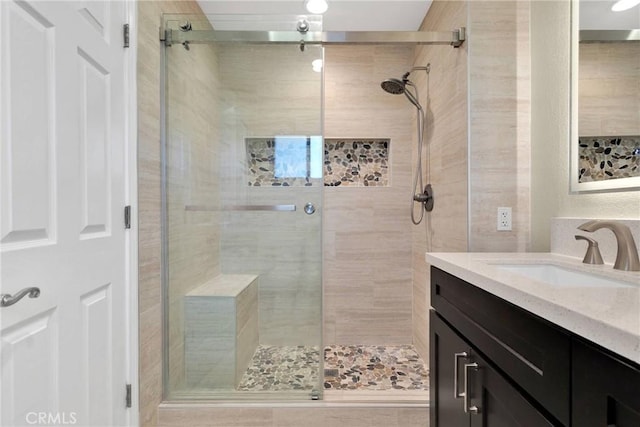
[{"x": 531, "y": 351}]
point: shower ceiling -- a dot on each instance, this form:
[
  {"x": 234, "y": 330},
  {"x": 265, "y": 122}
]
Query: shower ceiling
[{"x": 343, "y": 15}]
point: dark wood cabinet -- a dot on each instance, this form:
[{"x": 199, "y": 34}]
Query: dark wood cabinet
[
  {"x": 447, "y": 350},
  {"x": 521, "y": 370},
  {"x": 606, "y": 390},
  {"x": 464, "y": 377}
]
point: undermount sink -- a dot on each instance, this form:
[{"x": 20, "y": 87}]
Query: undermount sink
[{"x": 560, "y": 276}]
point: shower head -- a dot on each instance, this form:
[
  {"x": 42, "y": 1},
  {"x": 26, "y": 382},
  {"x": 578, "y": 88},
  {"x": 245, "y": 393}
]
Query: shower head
[
  {"x": 399, "y": 87},
  {"x": 393, "y": 86}
]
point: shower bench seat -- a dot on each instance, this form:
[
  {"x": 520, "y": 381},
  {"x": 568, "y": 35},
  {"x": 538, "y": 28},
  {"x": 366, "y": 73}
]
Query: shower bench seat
[{"x": 221, "y": 330}]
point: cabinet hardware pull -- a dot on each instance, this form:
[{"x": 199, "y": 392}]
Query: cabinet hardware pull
[
  {"x": 456, "y": 356},
  {"x": 467, "y": 409}
]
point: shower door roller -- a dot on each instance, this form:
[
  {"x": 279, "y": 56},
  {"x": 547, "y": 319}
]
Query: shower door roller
[{"x": 309, "y": 208}]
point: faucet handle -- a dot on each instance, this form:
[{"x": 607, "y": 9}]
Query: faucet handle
[{"x": 593, "y": 255}]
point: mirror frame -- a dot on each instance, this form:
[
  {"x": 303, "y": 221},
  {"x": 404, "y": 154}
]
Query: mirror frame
[{"x": 608, "y": 185}]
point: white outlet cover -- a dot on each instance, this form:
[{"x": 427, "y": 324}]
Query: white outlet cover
[{"x": 504, "y": 219}]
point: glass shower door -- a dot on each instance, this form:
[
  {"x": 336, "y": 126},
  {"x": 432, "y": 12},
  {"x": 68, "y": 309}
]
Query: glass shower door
[{"x": 242, "y": 227}]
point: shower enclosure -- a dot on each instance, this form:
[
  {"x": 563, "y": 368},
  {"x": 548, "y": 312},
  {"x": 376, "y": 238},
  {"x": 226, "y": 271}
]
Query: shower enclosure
[
  {"x": 242, "y": 195},
  {"x": 243, "y": 202}
]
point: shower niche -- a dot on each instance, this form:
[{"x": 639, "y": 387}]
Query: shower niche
[{"x": 361, "y": 162}]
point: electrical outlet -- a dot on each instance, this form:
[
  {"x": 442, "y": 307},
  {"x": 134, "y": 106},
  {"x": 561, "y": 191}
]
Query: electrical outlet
[{"x": 504, "y": 219}]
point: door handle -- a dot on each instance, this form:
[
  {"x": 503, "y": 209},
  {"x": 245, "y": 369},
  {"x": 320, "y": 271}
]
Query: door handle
[
  {"x": 473, "y": 409},
  {"x": 7, "y": 299},
  {"x": 456, "y": 356}
]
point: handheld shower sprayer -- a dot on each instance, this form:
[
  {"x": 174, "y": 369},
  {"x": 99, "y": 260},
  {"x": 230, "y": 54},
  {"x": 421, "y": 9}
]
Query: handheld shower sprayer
[{"x": 421, "y": 194}]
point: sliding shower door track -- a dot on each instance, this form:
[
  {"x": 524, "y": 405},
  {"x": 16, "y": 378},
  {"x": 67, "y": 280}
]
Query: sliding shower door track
[{"x": 453, "y": 38}]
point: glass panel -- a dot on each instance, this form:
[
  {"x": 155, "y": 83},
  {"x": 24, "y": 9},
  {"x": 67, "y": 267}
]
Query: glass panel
[{"x": 243, "y": 156}]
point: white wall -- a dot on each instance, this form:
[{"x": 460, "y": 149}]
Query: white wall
[{"x": 550, "y": 197}]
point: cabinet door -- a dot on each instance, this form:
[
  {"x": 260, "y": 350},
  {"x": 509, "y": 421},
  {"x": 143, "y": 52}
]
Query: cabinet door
[
  {"x": 606, "y": 390},
  {"x": 446, "y": 409},
  {"x": 498, "y": 403}
]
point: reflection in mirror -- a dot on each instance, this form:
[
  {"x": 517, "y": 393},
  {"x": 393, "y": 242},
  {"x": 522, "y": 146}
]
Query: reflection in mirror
[{"x": 605, "y": 97}]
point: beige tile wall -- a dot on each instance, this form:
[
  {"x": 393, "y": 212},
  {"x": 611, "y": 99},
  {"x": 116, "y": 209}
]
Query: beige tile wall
[
  {"x": 444, "y": 95},
  {"x": 269, "y": 91},
  {"x": 193, "y": 149},
  {"x": 366, "y": 230},
  {"x": 320, "y": 416},
  {"x": 608, "y": 103},
  {"x": 500, "y": 143},
  {"x": 150, "y": 309}
]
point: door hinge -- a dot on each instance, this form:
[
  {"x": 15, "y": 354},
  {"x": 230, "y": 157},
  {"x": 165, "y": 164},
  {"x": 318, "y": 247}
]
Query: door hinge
[
  {"x": 125, "y": 33},
  {"x": 128, "y": 398},
  {"x": 127, "y": 216}
]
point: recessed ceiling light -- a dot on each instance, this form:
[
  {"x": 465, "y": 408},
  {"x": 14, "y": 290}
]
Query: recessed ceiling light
[
  {"x": 317, "y": 7},
  {"x": 621, "y": 5}
]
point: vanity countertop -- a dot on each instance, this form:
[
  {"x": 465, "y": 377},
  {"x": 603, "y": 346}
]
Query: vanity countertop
[{"x": 607, "y": 315}]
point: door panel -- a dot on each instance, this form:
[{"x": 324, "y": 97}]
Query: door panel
[
  {"x": 606, "y": 390},
  {"x": 446, "y": 410},
  {"x": 62, "y": 77},
  {"x": 499, "y": 403},
  {"x": 28, "y": 131},
  {"x": 30, "y": 379},
  {"x": 95, "y": 159}
]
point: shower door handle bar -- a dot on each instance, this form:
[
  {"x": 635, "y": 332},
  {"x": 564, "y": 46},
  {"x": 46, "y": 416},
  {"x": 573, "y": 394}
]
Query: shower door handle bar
[
  {"x": 279, "y": 208},
  {"x": 205, "y": 208}
]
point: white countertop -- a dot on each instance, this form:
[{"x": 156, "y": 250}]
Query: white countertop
[{"x": 608, "y": 316}]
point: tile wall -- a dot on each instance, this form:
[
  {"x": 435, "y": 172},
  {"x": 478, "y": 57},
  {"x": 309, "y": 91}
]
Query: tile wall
[
  {"x": 307, "y": 415},
  {"x": 609, "y": 104},
  {"x": 270, "y": 91},
  {"x": 444, "y": 94},
  {"x": 500, "y": 130},
  {"x": 608, "y": 119},
  {"x": 366, "y": 230},
  {"x": 193, "y": 235},
  {"x": 149, "y": 198}
]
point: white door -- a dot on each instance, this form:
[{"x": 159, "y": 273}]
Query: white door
[{"x": 63, "y": 176}]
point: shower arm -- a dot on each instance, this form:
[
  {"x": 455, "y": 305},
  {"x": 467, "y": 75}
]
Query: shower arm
[{"x": 405, "y": 76}]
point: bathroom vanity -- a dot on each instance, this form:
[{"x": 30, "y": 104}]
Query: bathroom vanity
[{"x": 511, "y": 349}]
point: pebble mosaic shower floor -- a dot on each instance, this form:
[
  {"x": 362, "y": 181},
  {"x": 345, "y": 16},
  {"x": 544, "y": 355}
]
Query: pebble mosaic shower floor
[
  {"x": 345, "y": 368},
  {"x": 277, "y": 368},
  {"x": 356, "y": 367}
]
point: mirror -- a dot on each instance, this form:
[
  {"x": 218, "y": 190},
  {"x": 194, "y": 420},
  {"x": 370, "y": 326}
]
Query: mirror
[{"x": 605, "y": 97}]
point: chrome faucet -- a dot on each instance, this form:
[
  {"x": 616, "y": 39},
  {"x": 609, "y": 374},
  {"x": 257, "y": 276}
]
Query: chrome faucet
[{"x": 627, "y": 256}]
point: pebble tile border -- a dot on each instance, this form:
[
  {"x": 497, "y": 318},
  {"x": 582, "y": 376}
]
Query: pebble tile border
[{"x": 609, "y": 157}]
